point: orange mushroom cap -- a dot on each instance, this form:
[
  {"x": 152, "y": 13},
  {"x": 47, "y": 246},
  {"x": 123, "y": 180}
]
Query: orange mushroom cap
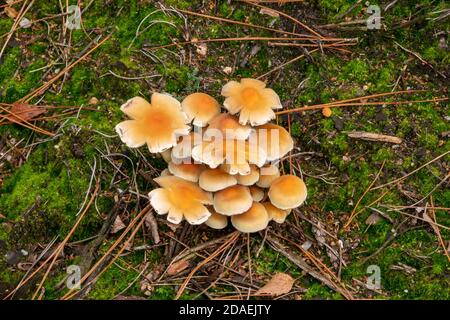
[
  {"x": 229, "y": 126},
  {"x": 287, "y": 192},
  {"x": 257, "y": 193},
  {"x": 276, "y": 214},
  {"x": 217, "y": 221},
  {"x": 186, "y": 171},
  {"x": 267, "y": 175},
  {"x": 156, "y": 124},
  {"x": 273, "y": 139},
  {"x": 232, "y": 200},
  {"x": 215, "y": 179},
  {"x": 180, "y": 198},
  {"x": 248, "y": 179},
  {"x": 201, "y": 108},
  {"x": 183, "y": 150},
  {"x": 253, "y": 220},
  {"x": 237, "y": 154},
  {"x": 252, "y": 100}
]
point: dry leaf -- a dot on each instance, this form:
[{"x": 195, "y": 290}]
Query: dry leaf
[
  {"x": 177, "y": 267},
  {"x": 11, "y": 12},
  {"x": 202, "y": 49},
  {"x": 280, "y": 283},
  {"x": 117, "y": 225},
  {"x": 24, "y": 112},
  {"x": 374, "y": 218}
]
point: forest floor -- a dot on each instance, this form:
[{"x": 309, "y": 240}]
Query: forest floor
[{"x": 373, "y": 207}]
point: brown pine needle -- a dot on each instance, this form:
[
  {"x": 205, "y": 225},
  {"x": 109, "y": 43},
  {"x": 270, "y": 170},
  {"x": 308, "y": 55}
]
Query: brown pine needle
[
  {"x": 47, "y": 84},
  {"x": 395, "y": 181},
  {"x": 233, "y": 236},
  {"x": 353, "y": 214},
  {"x": 71, "y": 292},
  {"x": 236, "y": 22},
  {"x": 436, "y": 229},
  {"x": 254, "y": 3},
  {"x": 58, "y": 250},
  {"x": 24, "y": 123}
]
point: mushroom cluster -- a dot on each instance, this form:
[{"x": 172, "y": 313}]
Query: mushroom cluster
[{"x": 221, "y": 165}]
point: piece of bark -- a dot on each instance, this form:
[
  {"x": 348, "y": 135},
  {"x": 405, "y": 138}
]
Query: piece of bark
[{"x": 370, "y": 136}]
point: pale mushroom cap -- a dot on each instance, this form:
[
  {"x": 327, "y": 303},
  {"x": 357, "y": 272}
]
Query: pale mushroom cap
[
  {"x": 267, "y": 175},
  {"x": 201, "y": 108},
  {"x": 238, "y": 154},
  {"x": 187, "y": 171},
  {"x": 180, "y": 198},
  {"x": 257, "y": 193},
  {"x": 229, "y": 126},
  {"x": 248, "y": 179},
  {"x": 183, "y": 150},
  {"x": 252, "y": 100},
  {"x": 287, "y": 192},
  {"x": 232, "y": 200},
  {"x": 276, "y": 214},
  {"x": 273, "y": 139},
  {"x": 167, "y": 155},
  {"x": 215, "y": 179},
  {"x": 217, "y": 221},
  {"x": 157, "y": 124},
  {"x": 165, "y": 173},
  {"x": 253, "y": 220}
]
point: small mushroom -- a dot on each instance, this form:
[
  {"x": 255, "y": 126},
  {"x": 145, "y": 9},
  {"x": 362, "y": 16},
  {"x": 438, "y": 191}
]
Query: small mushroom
[
  {"x": 157, "y": 124},
  {"x": 228, "y": 126},
  {"x": 267, "y": 175},
  {"x": 217, "y": 221},
  {"x": 232, "y": 200},
  {"x": 257, "y": 193},
  {"x": 273, "y": 139},
  {"x": 167, "y": 155},
  {"x": 252, "y": 100},
  {"x": 201, "y": 108},
  {"x": 276, "y": 214},
  {"x": 180, "y": 199},
  {"x": 186, "y": 171},
  {"x": 238, "y": 154},
  {"x": 165, "y": 173},
  {"x": 253, "y": 220},
  {"x": 183, "y": 149},
  {"x": 248, "y": 179},
  {"x": 287, "y": 192},
  {"x": 215, "y": 179}
]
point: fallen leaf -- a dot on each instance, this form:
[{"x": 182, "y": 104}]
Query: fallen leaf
[
  {"x": 280, "y": 283},
  {"x": 374, "y": 218},
  {"x": 24, "y": 112},
  {"x": 202, "y": 49},
  {"x": 177, "y": 267},
  {"x": 117, "y": 225},
  {"x": 11, "y": 12}
]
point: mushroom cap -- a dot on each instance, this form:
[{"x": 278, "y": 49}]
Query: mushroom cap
[
  {"x": 287, "y": 192},
  {"x": 167, "y": 155},
  {"x": 248, "y": 179},
  {"x": 217, "y": 221},
  {"x": 165, "y": 173},
  {"x": 257, "y": 193},
  {"x": 183, "y": 149},
  {"x": 267, "y": 175},
  {"x": 200, "y": 107},
  {"x": 276, "y": 214},
  {"x": 273, "y": 139},
  {"x": 229, "y": 126},
  {"x": 215, "y": 179},
  {"x": 253, "y": 220},
  {"x": 180, "y": 198},
  {"x": 252, "y": 100},
  {"x": 157, "y": 124},
  {"x": 186, "y": 171},
  {"x": 232, "y": 200},
  {"x": 238, "y": 154}
]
